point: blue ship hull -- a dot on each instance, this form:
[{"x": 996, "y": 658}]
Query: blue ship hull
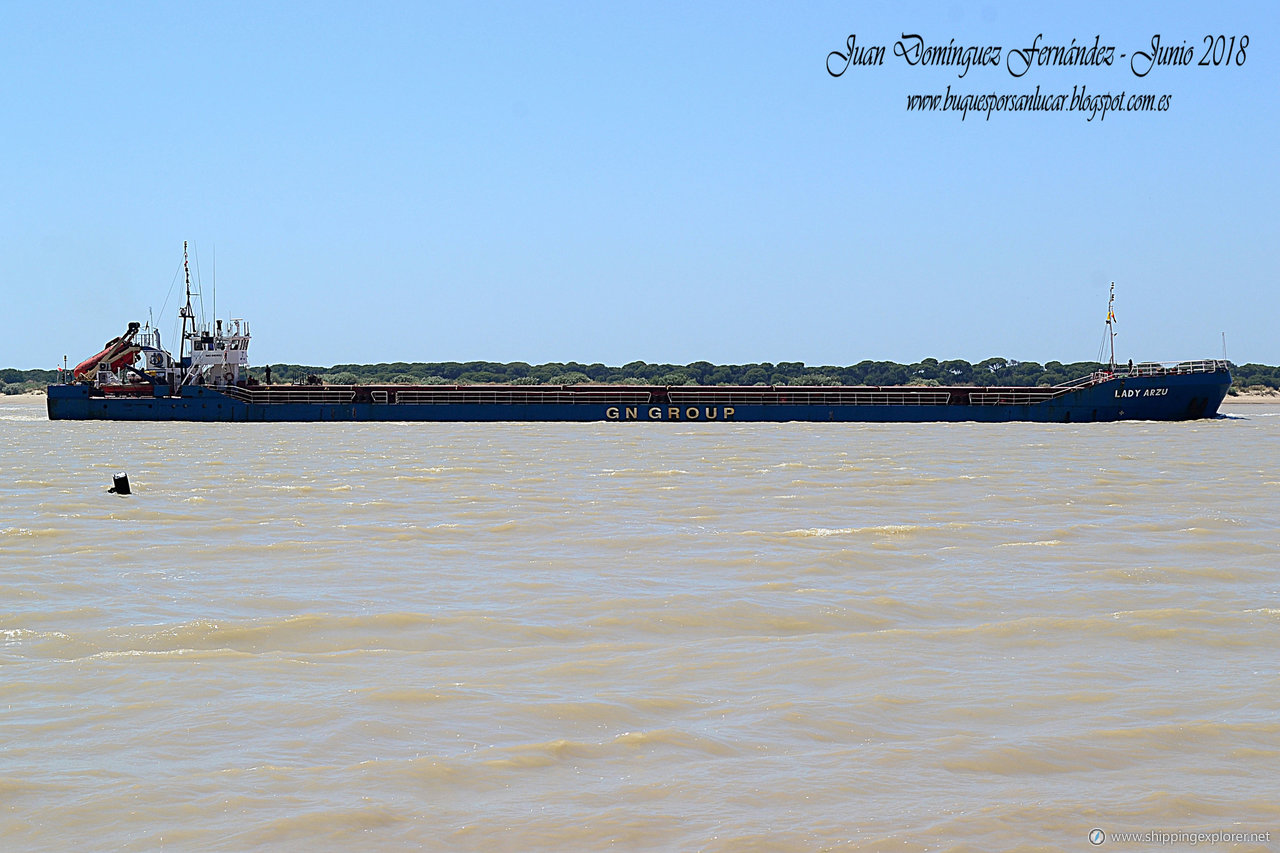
[{"x": 1164, "y": 396}]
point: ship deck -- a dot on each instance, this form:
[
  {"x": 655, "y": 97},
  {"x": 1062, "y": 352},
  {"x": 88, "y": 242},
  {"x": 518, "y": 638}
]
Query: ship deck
[{"x": 699, "y": 395}]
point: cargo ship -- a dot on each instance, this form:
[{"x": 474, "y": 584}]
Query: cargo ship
[{"x": 134, "y": 378}]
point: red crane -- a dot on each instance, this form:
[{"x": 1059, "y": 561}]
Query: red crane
[{"x": 116, "y": 354}]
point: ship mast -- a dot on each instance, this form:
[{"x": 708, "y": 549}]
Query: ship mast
[
  {"x": 1111, "y": 330},
  {"x": 185, "y": 311}
]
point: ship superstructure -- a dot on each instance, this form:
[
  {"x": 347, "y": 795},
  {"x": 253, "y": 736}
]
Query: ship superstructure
[{"x": 136, "y": 364}]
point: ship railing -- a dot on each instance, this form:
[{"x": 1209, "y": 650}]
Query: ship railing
[
  {"x": 1084, "y": 381},
  {"x": 506, "y": 397},
  {"x": 329, "y": 395},
  {"x": 1167, "y": 368},
  {"x": 342, "y": 394},
  {"x": 1148, "y": 368},
  {"x": 1016, "y": 396},
  {"x": 776, "y": 396},
  {"x": 244, "y": 395}
]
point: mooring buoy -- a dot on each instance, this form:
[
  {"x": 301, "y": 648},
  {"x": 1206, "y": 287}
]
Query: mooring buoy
[{"x": 121, "y": 485}]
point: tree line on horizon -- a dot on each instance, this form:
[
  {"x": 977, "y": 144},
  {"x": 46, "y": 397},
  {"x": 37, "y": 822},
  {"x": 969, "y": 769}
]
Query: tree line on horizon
[
  {"x": 930, "y": 371},
  {"x": 991, "y": 371}
]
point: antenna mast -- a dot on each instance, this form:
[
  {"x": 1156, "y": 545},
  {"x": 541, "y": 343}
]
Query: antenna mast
[
  {"x": 185, "y": 311},
  {"x": 1111, "y": 330}
]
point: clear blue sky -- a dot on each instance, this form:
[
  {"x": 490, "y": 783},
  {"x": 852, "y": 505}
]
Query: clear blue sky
[{"x": 611, "y": 182}]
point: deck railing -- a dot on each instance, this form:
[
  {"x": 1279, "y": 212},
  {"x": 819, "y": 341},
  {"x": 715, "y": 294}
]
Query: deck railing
[
  {"x": 560, "y": 396},
  {"x": 1166, "y": 368},
  {"x": 345, "y": 394},
  {"x": 1016, "y": 396},
  {"x": 923, "y": 395},
  {"x": 1030, "y": 396},
  {"x": 330, "y": 395}
]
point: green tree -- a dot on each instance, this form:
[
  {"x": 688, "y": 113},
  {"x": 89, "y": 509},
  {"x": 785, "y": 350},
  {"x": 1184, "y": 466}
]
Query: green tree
[{"x": 573, "y": 377}]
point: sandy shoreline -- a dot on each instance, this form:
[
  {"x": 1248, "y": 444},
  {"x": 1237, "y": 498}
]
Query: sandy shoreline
[{"x": 1252, "y": 399}]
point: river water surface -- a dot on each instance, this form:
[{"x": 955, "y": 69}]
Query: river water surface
[{"x": 637, "y": 636}]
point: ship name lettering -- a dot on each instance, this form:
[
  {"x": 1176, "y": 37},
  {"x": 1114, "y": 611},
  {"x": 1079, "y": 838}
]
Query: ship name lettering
[
  {"x": 672, "y": 413},
  {"x": 1141, "y": 392}
]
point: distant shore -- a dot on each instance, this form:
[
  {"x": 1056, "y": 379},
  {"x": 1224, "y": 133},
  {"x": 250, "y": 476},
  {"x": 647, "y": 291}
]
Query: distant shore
[{"x": 1253, "y": 399}]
